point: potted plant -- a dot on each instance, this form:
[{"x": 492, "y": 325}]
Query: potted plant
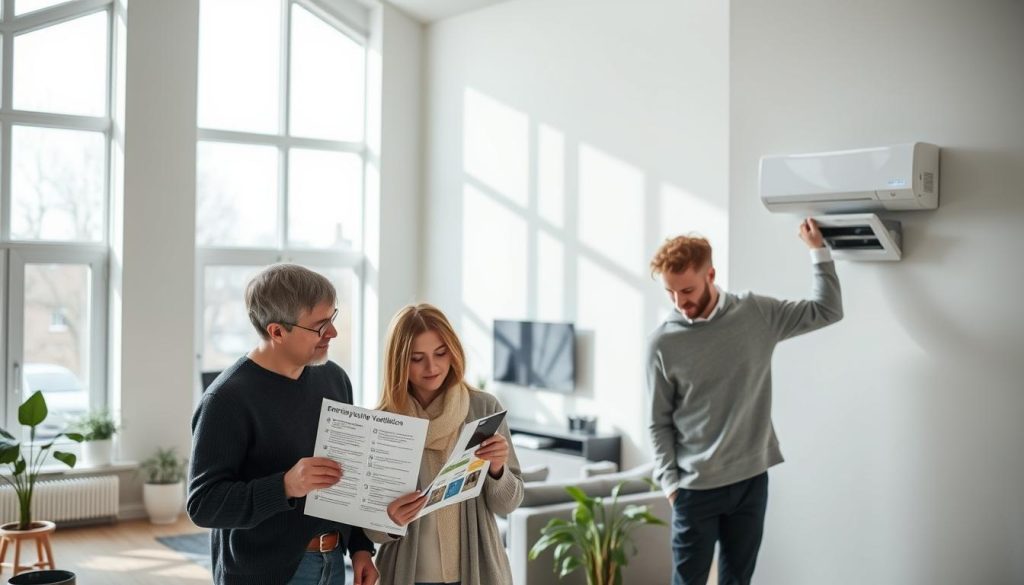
[
  {"x": 164, "y": 491},
  {"x": 23, "y": 468},
  {"x": 596, "y": 538},
  {"x": 97, "y": 429}
]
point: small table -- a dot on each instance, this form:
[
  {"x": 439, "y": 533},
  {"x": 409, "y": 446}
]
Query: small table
[{"x": 40, "y": 532}]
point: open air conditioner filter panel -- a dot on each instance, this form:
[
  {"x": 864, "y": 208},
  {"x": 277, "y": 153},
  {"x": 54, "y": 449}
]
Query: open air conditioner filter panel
[{"x": 861, "y": 236}]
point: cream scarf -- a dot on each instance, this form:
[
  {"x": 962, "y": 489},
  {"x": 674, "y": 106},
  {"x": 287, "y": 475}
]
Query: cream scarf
[{"x": 446, "y": 414}]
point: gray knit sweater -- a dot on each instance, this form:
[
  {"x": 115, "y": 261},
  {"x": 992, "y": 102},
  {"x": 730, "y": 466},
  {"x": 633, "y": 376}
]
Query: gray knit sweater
[
  {"x": 483, "y": 558},
  {"x": 710, "y": 388}
]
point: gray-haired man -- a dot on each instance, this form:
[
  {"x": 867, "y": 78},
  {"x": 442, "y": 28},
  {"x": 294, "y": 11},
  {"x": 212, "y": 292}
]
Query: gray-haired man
[{"x": 251, "y": 436}]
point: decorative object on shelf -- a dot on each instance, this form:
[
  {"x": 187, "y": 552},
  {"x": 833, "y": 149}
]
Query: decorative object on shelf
[
  {"x": 596, "y": 538},
  {"x": 98, "y": 429},
  {"x": 583, "y": 424},
  {"x": 22, "y": 474},
  {"x": 164, "y": 491}
]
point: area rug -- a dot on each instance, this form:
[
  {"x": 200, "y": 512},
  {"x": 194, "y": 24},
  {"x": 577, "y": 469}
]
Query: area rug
[{"x": 196, "y": 547}]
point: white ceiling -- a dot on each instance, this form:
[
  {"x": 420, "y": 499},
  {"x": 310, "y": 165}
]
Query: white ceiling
[{"x": 433, "y": 10}]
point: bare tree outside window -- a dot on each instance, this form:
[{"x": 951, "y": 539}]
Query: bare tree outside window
[{"x": 57, "y": 184}]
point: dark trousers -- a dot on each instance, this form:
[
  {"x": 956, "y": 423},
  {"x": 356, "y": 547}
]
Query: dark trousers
[{"x": 732, "y": 515}]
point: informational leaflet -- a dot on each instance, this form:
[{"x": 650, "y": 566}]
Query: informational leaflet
[
  {"x": 380, "y": 456},
  {"x": 462, "y": 476}
]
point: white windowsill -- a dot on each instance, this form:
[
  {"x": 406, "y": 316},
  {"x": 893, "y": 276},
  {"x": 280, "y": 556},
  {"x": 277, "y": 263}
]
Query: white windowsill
[{"x": 57, "y": 469}]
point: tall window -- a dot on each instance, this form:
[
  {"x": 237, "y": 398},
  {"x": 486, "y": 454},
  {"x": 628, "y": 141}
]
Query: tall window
[
  {"x": 55, "y": 143},
  {"x": 280, "y": 163}
]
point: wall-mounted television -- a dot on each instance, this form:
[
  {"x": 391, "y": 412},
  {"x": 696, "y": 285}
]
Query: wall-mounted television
[{"x": 535, "y": 354}]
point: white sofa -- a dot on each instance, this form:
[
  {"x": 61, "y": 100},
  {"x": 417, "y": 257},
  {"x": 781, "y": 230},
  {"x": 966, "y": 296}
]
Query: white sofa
[{"x": 543, "y": 501}]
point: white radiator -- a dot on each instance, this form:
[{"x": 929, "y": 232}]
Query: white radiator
[{"x": 73, "y": 500}]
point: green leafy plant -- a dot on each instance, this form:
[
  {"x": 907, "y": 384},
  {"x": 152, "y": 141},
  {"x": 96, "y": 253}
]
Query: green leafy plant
[
  {"x": 596, "y": 538},
  {"x": 24, "y": 468},
  {"x": 97, "y": 426},
  {"x": 165, "y": 467}
]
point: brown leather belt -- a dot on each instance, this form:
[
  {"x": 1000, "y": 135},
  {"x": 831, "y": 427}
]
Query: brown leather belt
[{"x": 325, "y": 542}]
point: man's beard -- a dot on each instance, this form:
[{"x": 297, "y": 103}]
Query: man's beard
[{"x": 702, "y": 304}]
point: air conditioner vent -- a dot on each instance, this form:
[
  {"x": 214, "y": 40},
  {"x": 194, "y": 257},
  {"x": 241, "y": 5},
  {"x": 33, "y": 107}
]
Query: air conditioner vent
[{"x": 928, "y": 182}]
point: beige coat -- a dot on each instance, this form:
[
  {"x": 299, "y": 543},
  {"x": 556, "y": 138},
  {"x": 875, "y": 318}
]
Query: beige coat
[{"x": 483, "y": 558}]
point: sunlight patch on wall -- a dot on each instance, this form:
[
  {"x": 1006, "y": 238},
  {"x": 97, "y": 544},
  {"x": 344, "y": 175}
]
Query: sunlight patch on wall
[
  {"x": 550, "y": 278},
  {"x": 611, "y": 208},
  {"x": 551, "y": 175},
  {"x": 495, "y": 145},
  {"x": 613, "y": 310},
  {"x": 494, "y": 264}
]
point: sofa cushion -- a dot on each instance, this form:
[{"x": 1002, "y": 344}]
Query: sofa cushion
[
  {"x": 598, "y": 468},
  {"x": 535, "y": 473},
  {"x": 553, "y": 492}
]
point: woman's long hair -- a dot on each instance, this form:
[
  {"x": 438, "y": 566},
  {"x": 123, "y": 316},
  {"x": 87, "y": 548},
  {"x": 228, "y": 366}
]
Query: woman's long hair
[{"x": 405, "y": 326}]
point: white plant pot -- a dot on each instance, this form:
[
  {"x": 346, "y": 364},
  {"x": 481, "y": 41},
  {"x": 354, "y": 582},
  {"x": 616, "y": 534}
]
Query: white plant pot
[
  {"x": 164, "y": 502},
  {"x": 97, "y": 452}
]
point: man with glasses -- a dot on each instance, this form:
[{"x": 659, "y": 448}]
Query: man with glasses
[{"x": 251, "y": 436}]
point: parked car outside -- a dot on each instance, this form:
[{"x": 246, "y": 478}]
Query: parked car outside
[{"x": 66, "y": 398}]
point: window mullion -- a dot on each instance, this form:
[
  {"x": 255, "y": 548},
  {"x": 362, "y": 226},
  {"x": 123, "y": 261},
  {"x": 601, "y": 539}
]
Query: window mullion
[
  {"x": 45, "y": 17},
  {"x": 6, "y": 96},
  {"x": 237, "y": 137},
  {"x": 285, "y": 93},
  {"x": 5, "y": 180},
  {"x": 15, "y": 281},
  {"x": 99, "y": 391},
  {"x": 8, "y": 382}
]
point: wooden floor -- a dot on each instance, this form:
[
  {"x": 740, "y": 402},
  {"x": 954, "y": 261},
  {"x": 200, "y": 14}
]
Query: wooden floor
[{"x": 124, "y": 553}]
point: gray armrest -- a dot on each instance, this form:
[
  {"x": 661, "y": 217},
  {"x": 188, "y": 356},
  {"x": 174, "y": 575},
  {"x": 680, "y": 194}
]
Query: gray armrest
[{"x": 651, "y": 564}]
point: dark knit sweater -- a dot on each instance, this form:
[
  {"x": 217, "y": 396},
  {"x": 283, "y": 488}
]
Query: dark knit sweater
[{"x": 252, "y": 425}]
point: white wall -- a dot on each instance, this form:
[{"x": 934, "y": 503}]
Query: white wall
[
  {"x": 155, "y": 262},
  {"x": 393, "y": 181},
  {"x": 901, "y": 424},
  {"x": 565, "y": 140}
]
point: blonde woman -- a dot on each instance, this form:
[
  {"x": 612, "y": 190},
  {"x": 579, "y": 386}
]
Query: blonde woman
[{"x": 424, "y": 368}]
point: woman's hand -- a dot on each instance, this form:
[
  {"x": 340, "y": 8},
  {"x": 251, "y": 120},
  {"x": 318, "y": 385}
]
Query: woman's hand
[
  {"x": 495, "y": 450},
  {"x": 404, "y": 508}
]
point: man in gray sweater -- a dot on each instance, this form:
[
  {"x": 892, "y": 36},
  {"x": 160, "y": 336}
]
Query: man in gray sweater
[{"x": 709, "y": 390}]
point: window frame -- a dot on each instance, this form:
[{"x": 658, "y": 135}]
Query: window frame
[
  {"x": 16, "y": 253},
  {"x": 208, "y": 256}
]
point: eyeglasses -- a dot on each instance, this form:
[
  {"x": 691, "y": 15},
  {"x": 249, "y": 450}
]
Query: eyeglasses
[{"x": 319, "y": 330}]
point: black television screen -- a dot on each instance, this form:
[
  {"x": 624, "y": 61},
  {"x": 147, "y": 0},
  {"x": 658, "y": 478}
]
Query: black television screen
[{"x": 535, "y": 354}]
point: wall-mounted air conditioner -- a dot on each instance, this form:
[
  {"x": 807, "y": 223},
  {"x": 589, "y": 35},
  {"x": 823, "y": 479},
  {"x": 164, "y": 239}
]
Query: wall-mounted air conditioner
[
  {"x": 847, "y": 185},
  {"x": 903, "y": 177}
]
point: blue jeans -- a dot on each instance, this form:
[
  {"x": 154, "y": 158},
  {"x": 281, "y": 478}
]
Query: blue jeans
[
  {"x": 321, "y": 568},
  {"x": 732, "y": 515}
]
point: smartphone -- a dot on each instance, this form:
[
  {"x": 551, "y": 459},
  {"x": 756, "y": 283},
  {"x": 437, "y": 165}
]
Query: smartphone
[{"x": 485, "y": 428}]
